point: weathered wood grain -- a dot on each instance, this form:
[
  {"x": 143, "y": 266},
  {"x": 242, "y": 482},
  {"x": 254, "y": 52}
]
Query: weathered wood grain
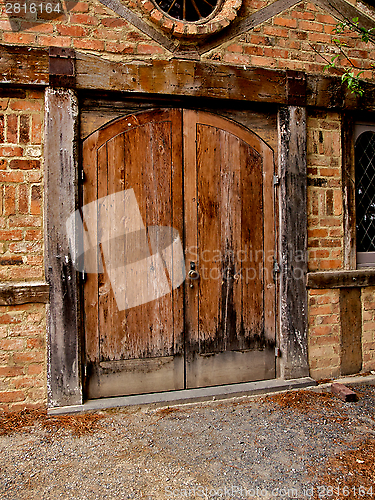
[
  {"x": 23, "y": 293},
  {"x": 351, "y": 330},
  {"x": 184, "y": 78},
  {"x": 293, "y": 241},
  {"x": 348, "y": 186},
  {"x": 20, "y": 65},
  {"x": 23, "y": 66},
  {"x": 230, "y": 238},
  {"x": 61, "y": 174},
  {"x": 341, "y": 279}
]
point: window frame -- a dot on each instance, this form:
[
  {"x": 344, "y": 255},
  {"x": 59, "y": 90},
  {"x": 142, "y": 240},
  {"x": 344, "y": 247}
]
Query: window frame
[{"x": 352, "y": 126}]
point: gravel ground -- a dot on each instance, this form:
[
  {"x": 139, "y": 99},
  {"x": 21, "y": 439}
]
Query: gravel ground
[{"x": 292, "y": 445}]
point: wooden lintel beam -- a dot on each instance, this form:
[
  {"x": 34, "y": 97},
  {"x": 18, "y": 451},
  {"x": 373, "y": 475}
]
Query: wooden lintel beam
[
  {"x": 23, "y": 293},
  {"x": 23, "y": 66},
  {"x": 29, "y": 66},
  {"x": 183, "y": 78},
  {"x": 341, "y": 279}
]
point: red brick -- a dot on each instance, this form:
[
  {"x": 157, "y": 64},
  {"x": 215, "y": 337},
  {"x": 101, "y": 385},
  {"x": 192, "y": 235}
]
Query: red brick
[
  {"x": 9, "y": 200},
  {"x": 36, "y": 129},
  {"x": 24, "y": 221},
  {"x": 12, "y": 129},
  {"x": 34, "y": 369},
  {"x": 287, "y": 23},
  {"x": 89, "y": 44},
  {"x": 263, "y": 61},
  {"x": 2, "y": 129},
  {"x": 119, "y": 48},
  {"x": 28, "y": 357},
  {"x": 311, "y": 26},
  {"x": 11, "y": 396},
  {"x": 275, "y": 31},
  {"x": 11, "y": 371},
  {"x": 235, "y": 47},
  {"x": 83, "y": 19},
  {"x": 254, "y": 50},
  {"x": 320, "y": 310},
  {"x": 16, "y": 38},
  {"x": 36, "y": 28},
  {"x": 36, "y": 343},
  {"x": 149, "y": 49},
  {"x": 34, "y": 176},
  {"x": 309, "y": 16},
  {"x": 326, "y": 19},
  {"x": 11, "y": 176},
  {"x": 15, "y": 235},
  {"x": 24, "y": 382},
  {"x": 316, "y": 232},
  {"x": 73, "y": 31},
  {"x": 12, "y": 344},
  {"x": 24, "y": 164},
  {"x": 33, "y": 234},
  {"x": 24, "y": 129},
  {"x": 237, "y": 58},
  {"x": 11, "y": 151},
  {"x": 319, "y": 38},
  {"x": 55, "y": 41},
  {"x": 111, "y": 22},
  {"x": 330, "y": 264},
  {"x": 23, "y": 199},
  {"x": 25, "y": 105},
  {"x": 4, "y": 103}
]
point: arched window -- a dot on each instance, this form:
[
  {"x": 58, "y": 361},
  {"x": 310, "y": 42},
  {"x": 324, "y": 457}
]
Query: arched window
[{"x": 365, "y": 196}]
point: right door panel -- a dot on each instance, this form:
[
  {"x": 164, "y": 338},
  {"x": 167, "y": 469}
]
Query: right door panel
[{"x": 230, "y": 242}]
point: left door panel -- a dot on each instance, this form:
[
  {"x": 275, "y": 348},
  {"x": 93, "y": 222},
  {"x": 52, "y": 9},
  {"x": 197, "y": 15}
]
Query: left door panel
[{"x": 133, "y": 344}]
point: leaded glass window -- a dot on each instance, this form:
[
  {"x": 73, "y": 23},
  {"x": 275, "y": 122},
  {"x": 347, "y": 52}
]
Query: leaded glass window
[{"x": 365, "y": 191}]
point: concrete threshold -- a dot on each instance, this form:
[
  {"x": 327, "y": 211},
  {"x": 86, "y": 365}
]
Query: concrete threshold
[{"x": 173, "y": 398}]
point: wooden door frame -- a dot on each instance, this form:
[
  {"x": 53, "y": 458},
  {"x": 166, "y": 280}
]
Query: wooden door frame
[{"x": 64, "y": 325}]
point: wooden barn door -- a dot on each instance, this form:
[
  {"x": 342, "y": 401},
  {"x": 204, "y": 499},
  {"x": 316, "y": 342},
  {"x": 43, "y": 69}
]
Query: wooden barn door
[{"x": 210, "y": 180}]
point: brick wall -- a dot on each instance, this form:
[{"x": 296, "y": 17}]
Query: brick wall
[
  {"x": 22, "y": 328},
  {"x": 324, "y": 333},
  {"x": 22, "y": 357},
  {"x": 297, "y": 39},
  {"x": 324, "y": 195}
]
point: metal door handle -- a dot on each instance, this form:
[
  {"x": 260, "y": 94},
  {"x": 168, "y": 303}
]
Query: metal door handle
[{"x": 193, "y": 274}]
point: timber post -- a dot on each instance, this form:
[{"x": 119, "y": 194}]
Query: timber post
[
  {"x": 293, "y": 242},
  {"x": 61, "y": 173}
]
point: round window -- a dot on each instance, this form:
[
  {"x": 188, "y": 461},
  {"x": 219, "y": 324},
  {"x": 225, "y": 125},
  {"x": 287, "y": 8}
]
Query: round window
[
  {"x": 191, "y": 18},
  {"x": 188, "y": 10}
]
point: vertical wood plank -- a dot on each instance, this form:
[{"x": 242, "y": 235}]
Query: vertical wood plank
[
  {"x": 348, "y": 186},
  {"x": 191, "y": 227},
  {"x": 90, "y": 300},
  {"x": 293, "y": 241},
  {"x": 64, "y": 361},
  {"x": 351, "y": 330}
]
